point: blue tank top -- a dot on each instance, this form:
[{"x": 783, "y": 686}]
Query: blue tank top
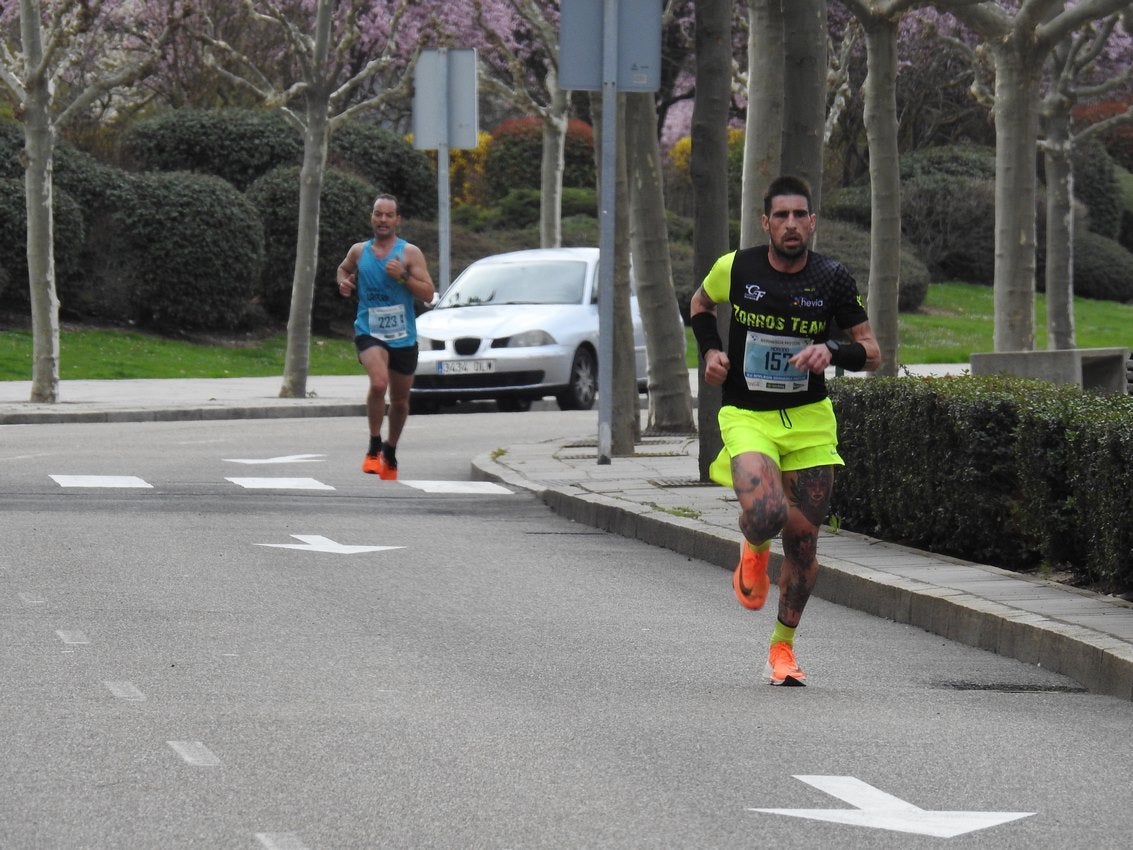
[{"x": 385, "y": 306}]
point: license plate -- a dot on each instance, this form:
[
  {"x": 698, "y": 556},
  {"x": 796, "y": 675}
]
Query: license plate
[{"x": 465, "y": 367}]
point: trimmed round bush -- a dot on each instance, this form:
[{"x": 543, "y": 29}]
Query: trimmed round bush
[
  {"x": 1103, "y": 268},
  {"x": 1095, "y": 185},
  {"x": 69, "y": 230},
  {"x": 388, "y": 162},
  {"x": 947, "y": 210},
  {"x": 964, "y": 161},
  {"x": 238, "y": 145},
  {"x": 475, "y": 217},
  {"x": 515, "y": 156},
  {"x": 950, "y": 222},
  {"x": 85, "y": 190},
  {"x": 579, "y": 200},
  {"x": 519, "y": 208},
  {"x": 4, "y": 278},
  {"x": 850, "y": 245},
  {"x": 11, "y": 143},
  {"x": 93, "y": 184},
  {"x": 191, "y": 248},
  {"x": 851, "y": 204},
  {"x": 344, "y": 218},
  {"x": 89, "y": 182},
  {"x": 580, "y": 230}
]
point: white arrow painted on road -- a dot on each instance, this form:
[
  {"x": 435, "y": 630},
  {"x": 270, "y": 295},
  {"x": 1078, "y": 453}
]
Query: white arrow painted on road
[
  {"x": 317, "y": 543},
  {"x": 283, "y": 459},
  {"x": 876, "y": 809}
]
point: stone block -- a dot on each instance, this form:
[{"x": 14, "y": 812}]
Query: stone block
[{"x": 1099, "y": 369}]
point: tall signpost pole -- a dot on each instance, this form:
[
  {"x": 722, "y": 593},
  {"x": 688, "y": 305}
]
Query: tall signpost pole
[
  {"x": 607, "y": 200},
  {"x": 626, "y": 58},
  {"x": 445, "y": 116}
]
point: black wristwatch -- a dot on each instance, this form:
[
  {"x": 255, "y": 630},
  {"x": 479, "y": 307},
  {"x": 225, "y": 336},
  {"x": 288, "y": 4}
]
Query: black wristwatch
[{"x": 834, "y": 347}]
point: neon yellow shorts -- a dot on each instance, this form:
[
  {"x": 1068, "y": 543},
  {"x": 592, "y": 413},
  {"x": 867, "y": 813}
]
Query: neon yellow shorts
[{"x": 797, "y": 438}]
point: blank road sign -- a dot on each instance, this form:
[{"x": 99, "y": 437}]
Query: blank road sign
[
  {"x": 581, "y": 35},
  {"x": 445, "y": 108}
]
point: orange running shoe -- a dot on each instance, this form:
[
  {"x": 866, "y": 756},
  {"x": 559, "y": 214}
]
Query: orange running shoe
[
  {"x": 782, "y": 669},
  {"x": 387, "y": 469},
  {"x": 372, "y": 464},
  {"x": 750, "y": 581}
]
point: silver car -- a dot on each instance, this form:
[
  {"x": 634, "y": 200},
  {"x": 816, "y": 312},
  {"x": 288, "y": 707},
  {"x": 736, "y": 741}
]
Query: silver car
[{"x": 517, "y": 327}]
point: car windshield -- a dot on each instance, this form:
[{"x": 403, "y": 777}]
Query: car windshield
[{"x": 546, "y": 282}]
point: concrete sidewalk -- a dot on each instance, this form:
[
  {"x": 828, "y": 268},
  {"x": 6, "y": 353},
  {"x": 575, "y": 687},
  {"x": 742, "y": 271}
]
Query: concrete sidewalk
[
  {"x": 175, "y": 399},
  {"x": 654, "y": 497}
]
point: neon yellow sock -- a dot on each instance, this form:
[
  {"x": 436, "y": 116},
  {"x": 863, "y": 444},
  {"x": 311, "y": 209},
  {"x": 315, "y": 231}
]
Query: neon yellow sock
[
  {"x": 782, "y": 634},
  {"x": 762, "y": 547}
]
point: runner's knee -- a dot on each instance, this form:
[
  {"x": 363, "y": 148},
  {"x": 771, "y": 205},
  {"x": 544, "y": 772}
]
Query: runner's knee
[{"x": 764, "y": 519}]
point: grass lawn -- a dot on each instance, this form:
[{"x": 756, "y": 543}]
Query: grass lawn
[
  {"x": 104, "y": 354},
  {"x": 958, "y": 319}
]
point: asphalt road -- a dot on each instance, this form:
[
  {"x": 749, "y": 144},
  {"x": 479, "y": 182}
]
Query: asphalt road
[{"x": 230, "y": 637}]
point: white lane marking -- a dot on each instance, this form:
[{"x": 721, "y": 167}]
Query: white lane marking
[
  {"x": 878, "y": 810},
  {"x": 283, "y": 459},
  {"x": 280, "y": 841},
  {"x": 195, "y": 753},
  {"x": 31, "y": 599},
  {"x": 72, "y": 637},
  {"x": 279, "y": 483},
  {"x": 470, "y": 487},
  {"x": 126, "y": 691},
  {"x": 100, "y": 481},
  {"x": 318, "y": 543}
]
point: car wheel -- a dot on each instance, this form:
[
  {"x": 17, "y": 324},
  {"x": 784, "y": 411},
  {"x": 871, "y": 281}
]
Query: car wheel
[
  {"x": 583, "y": 386},
  {"x": 511, "y": 404},
  {"x": 423, "y": 406}
]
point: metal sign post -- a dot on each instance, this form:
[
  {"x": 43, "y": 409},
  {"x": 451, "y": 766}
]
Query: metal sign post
[
  {"x": 445, "y": 116},
  {"x": 629, "y": 60}
]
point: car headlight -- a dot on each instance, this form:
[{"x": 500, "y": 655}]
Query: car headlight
[{"x": 530, "y": 339}]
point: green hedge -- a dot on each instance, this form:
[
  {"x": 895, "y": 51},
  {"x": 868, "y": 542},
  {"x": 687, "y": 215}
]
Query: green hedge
[
  {"x": 344, "y": 218},
  {"x": 1003, "y": 471},
  {"x": 1096, "y": 186},
  {"x": 189, "y": 248},
  {"x": 1103, "y": 268},
  {"x": 238, "y": 145},
  {"x": 850, "y": 245},
  {"x": 388, "y": 162},
  {"x": 13, "y": 243},
  {"x": 515, "y": 154}
]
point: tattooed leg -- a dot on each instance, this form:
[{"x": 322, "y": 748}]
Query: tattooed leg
[
  {"x": 759, "y": 488},
  {"x": 809, "y": 496}
]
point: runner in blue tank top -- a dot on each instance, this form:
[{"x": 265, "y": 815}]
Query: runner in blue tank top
[{"x": 387, "y": 273}]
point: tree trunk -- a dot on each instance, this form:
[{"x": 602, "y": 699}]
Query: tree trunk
[
  {"x": 1016, "y": 158},
  {"x": 763, "y": 137},
  {"x": 1059, "y": 274},
  {"x": 880, "y": 119},
  {"x": 297, "y": 361},
  {"x": 551, "y": 171},
  {"x": 39, "y": 141},
  {"x": 804, "y": 110},
  {"x": 708, "y": 167},
  {"x": 316, "y": 134},
  {"x": 670, "y": 399}
]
